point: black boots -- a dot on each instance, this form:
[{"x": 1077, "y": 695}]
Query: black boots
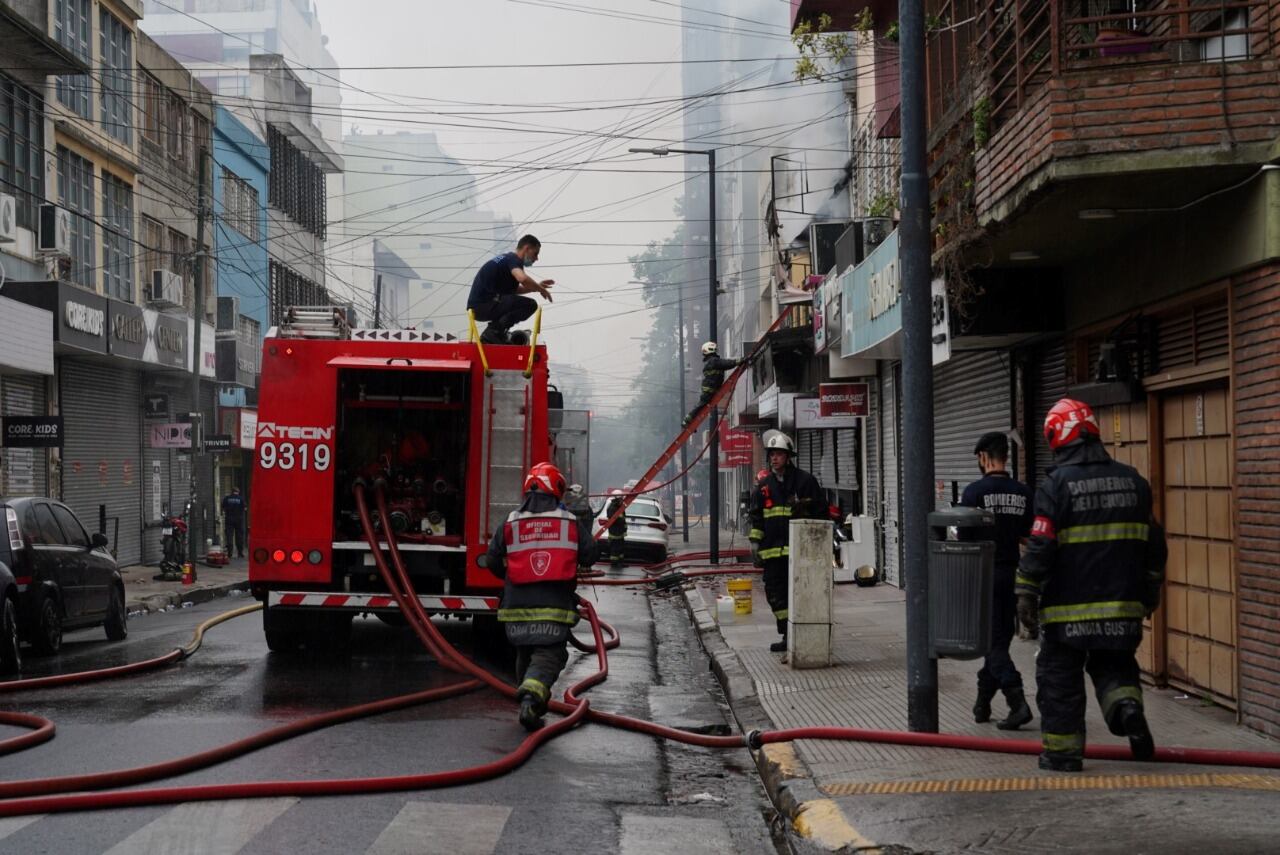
[
  {"x": 780, "y": 646},
  {"x": 530, "y": 712},
  {"x": 1060, "y": 763},
  {"x": 494, "y": 334},
  {"x": 982, "y": 706},
  {"x": 1019, "y": 711},
  {"x": 1133, "y": 724}
]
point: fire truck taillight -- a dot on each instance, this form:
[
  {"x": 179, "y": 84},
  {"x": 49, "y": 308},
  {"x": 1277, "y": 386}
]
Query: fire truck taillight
[
  {"x": 296, "y": 556},
  {"x": 315, "y": 556},
  {"x": 260, "y": 555},
  {"x": 278, "y": 556}
]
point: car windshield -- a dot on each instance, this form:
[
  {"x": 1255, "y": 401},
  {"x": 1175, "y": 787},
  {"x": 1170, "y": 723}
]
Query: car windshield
[{"x": 644, "y": 509}]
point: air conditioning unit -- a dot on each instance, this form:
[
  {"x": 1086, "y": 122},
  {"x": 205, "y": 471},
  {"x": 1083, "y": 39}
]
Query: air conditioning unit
[
  {"x": 228, "y": 313},
  {"x": 166, "y": 289},
  {"x": 55, "y": 230},
  {"x": 8, "y": 218}
]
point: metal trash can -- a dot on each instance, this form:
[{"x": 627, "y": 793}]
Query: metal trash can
[{"x": 961, "y": 575}]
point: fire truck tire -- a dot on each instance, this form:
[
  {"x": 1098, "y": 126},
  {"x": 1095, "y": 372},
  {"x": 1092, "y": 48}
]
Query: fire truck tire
[
  {"x": 281, "y": 631},
  {"x": 392, "y": 619}
]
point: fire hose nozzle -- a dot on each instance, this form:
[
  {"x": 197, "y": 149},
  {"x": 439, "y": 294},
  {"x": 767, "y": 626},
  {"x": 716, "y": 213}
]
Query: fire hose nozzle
[{"x": 754, "y": 740}]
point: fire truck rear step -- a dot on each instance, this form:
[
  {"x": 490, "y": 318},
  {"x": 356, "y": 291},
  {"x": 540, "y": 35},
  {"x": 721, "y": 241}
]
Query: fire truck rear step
[{"x": 378, "y": 602}]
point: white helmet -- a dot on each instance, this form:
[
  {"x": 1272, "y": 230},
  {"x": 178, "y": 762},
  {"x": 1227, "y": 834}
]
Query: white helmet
[
  {"x": 575, "y": 489},
  {"x": 779, "y": 441},
  {"x": 709, "y": 348}
]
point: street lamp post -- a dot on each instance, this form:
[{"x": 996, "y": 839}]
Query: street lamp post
[{"x": 713, "y": 481}]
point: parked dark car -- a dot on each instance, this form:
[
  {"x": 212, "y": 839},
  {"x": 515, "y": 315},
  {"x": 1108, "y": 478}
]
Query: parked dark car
[{"x": 56, "y": 576}]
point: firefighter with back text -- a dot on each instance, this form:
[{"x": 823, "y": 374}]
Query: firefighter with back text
[
  {"x": 1092, "y": 571},
  {"x": 537, "y": 552},
  {"x": 784, "y": 494}
]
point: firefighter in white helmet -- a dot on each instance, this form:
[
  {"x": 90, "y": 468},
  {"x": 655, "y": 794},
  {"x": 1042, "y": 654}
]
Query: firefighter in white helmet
[
  {"x": 784, "y": 494},
  {"x": 617, "y": 529},
  {"x": 713, "y": 369}
]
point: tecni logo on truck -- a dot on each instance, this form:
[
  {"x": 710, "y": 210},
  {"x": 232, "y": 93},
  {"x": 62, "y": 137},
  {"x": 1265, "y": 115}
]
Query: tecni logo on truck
[{"x": 301, "y": 448}]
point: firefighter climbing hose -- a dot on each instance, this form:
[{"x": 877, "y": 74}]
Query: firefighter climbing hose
[{"x": 49, "y": 795}]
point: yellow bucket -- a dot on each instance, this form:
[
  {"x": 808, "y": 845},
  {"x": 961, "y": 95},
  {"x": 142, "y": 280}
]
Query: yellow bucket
[{"x": 740, "y": 590}]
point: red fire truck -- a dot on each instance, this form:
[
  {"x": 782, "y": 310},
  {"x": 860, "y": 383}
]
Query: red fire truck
[{"x": 451, "y": 429}]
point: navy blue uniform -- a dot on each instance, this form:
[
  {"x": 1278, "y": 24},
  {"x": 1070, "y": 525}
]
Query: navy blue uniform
[
  {"x": 1011, "y": 502},
  {"x": 493, "y": 294},
  {"x": 233, "y": 508}
]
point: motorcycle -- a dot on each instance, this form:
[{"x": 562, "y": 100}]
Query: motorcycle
[{"x": 173, "y": 545}]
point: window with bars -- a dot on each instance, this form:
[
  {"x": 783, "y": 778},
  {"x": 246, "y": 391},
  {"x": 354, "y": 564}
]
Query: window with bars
[
  {"x": 117, "y": 238},
  {"x": 72, "y": 31},
  {"x": 22, "y": 148},
  {"x": 296, "y": 185},
  {"x": 286, "y": 288},
  {"x": 75, "y": 193},
  {"x": 117, "y": 77},
  {"x": 240, "y": 205}
]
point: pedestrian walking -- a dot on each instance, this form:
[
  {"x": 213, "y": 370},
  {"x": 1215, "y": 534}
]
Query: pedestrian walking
[
  {"x": 234, "y": 511},
  {"x": 713, "y": 369},
  {"x": 786, "y": 493},
  {"x": 1093, "y": 569},
  {"x": 1010, "y": 502},
  {"x": 537, "y": 552},
  {"x": 496, "y": 291}
]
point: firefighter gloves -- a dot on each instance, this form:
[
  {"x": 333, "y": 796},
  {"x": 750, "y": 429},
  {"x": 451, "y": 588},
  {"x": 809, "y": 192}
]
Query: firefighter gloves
[{"x": 1029, "y": 613}]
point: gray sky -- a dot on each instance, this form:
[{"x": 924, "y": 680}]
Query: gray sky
[{"x": 596, "y": 315}]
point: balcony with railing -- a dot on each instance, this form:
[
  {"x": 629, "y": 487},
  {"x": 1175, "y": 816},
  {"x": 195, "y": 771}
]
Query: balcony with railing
[{"x": 1074, "y": 79}]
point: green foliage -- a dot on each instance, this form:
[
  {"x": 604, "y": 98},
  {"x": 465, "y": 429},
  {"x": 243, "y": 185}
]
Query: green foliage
[
  {"x": 821, "y": 49},
  {"x": 981, "y": 122},
  {"x": 882, "y": 205}
]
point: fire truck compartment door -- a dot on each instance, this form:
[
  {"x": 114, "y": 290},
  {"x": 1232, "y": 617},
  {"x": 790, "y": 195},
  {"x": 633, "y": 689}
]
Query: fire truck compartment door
[{"x": 400, "y": 363}]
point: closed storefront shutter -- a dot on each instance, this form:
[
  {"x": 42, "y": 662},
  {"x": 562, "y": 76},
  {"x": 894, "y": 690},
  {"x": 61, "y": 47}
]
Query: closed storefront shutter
[
  {"x": 26, "y": 470},
  {"x": 808, "y": 449},
  {"x": 970, "y": 398},
  {"x": 890, "y": 472},
  {"x": 102, "y": 453},
  {"x": 871, "y": 437},
  {"x": 847, "y": 456},
  {"x": 1050, "y": 387}
]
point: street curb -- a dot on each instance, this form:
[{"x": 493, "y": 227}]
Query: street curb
[
  {"x": 175, "y": 599},
  {"x": 786, "y": 778}
]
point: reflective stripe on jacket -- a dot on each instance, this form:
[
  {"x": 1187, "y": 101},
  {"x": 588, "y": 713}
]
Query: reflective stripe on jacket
[
  {"x": 776, "y": 501},
  {"x": 541, "y": 547},
  {"x": 541, "y": 600}
]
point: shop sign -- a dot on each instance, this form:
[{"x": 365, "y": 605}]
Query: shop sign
[
  {"x": 735, "y": 447},
  {"x": 170, "y": 435},
  {"x": 872, "y": 301},
  {"x": 844, "y": 399},
  {"x": 82, "y": 319},
  {"x": 234, "y": 364},
  {"x": 248, "y": 429},
  {"x": 218, "y": 443},
  {"x": 941, "y": 319},
  {"x": 155, "y": 405},
  {"x": 208, "y": 349},
  {"x": 768, "y": 402},
  {"x": 809, "y": 416},
  {"x": 32, "y": 431}
]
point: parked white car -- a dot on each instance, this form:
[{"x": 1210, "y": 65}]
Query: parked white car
[{"x": 647, "y": 529}]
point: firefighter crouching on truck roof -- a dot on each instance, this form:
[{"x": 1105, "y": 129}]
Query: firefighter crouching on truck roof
[
  {"x": 1092, "y": 571},
  {"x": 537, "y": 552},
  {"x": 786, "y": 493},
  {"x": 617, "y": 529}
]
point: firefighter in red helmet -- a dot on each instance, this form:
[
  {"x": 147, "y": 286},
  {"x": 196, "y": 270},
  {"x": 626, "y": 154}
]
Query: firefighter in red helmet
[
  {"x": 537, "y": 551},
  {"x": 1092, "y": 571}
]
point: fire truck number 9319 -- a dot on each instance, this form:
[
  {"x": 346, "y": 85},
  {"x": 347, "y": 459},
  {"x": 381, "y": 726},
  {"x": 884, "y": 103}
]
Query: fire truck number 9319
[{"x": 290, "y": 447}]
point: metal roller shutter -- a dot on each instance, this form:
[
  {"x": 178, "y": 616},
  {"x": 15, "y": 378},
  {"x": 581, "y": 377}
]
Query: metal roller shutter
[
  {"x": 890, "y": 476},
  {"x": 807, "y": 450},
  {"x": 970, "y": 397},
  {"x": 26, "y": 470},
  {"x": 847, "y": 458},
  {"x": 102, "y": 453},
  {"x": 1051, "y": 387},
  {"x": 871, "y": 437}
]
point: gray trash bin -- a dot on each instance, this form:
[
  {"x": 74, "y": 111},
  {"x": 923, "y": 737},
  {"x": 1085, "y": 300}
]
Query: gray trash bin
[{"x": 961, "y": 574}]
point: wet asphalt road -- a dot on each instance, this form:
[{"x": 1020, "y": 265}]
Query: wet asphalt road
[{"x": 594, "y": 790}]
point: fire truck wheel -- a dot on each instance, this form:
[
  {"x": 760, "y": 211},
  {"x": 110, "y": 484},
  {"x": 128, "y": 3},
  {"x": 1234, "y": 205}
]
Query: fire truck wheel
[{"x": 281, "y": 631}]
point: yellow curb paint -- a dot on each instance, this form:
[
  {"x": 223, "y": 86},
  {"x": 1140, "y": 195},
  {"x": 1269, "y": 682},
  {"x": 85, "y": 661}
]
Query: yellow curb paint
[
  {"x": 822, "y": 821},
  {"x": 783, "y": 755},
  {"x": 1096, "y": 782}
]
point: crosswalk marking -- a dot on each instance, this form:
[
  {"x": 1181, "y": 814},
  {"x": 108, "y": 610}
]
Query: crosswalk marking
[
  {"x": 208, "y": 828},
  {"x": 13, "y": 824},
  {"x": 432, "y": 828},
  {"x": 644, "y": 834}
]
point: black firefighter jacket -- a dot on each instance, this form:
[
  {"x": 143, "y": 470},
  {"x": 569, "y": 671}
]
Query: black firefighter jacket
[
  {"x": 555, "y": 602},
  {"x": 1096, "y": 555},
  {"x": 775, "y": 502},
  {"x": 713, "y": 369}
]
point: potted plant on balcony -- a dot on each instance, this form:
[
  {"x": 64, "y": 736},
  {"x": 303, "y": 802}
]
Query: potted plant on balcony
[{"x": 879, "y": 220}]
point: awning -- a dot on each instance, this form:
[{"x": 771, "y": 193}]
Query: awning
[{"x": 400, "y": 363}]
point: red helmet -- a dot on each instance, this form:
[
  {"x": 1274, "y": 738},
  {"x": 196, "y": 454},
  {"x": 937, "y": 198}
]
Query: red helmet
[
  {"x": 547, "y": 478},
  {"x": 1068, "y": 421}
]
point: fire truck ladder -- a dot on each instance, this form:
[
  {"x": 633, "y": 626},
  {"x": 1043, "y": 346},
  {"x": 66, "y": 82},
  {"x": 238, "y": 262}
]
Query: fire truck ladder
[
  {"x": 315, "y": 322},
  {"x": 685, "y": 435}
]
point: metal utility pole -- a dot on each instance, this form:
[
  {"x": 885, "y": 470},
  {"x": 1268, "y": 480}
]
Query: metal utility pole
[
  {"x": 917, "y": 371},
  {"x": 713, "y": 482},
  {"x": 377, "y": 301},
  {"x": 684, "y": 447},
  {"x": 197, "y": 428}
]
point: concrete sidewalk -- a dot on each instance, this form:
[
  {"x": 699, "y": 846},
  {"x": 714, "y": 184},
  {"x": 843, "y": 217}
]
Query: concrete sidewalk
[
  {"x": 858, "y": 795},
  {"x": 144, "y": 593}
]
